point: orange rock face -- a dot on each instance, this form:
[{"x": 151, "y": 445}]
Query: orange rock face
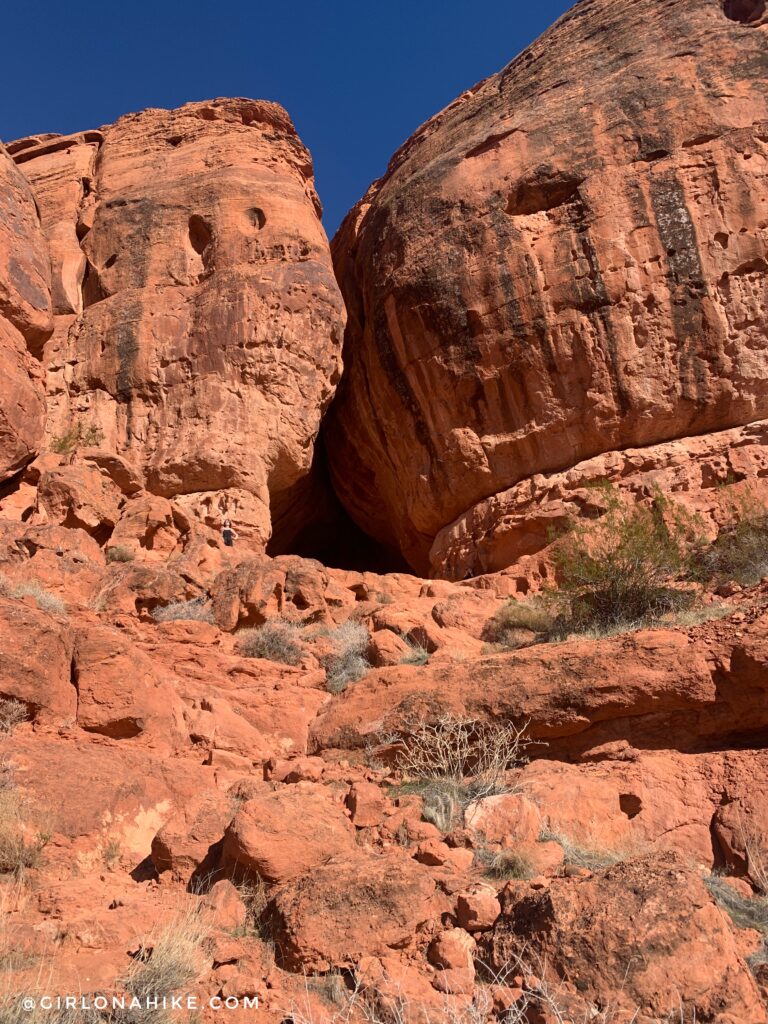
[
  {"x": 25, "y": 320},
  {"x": 198, "y": 322},
  {"x": 570, "y": 259}
]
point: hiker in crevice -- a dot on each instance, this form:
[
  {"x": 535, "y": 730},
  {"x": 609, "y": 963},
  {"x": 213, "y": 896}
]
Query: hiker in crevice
[{"x": 228, "y": 534}]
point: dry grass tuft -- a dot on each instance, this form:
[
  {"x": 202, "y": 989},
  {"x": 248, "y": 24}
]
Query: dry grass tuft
[
  {"x": 20, "y": 846},
  {"x": 348, "y": 662},
  {"x": 276, "y": 641},
  {"x": 44, "y": 600},
  {"x": 591, "y": 858},
  {"x": 166, "y": 964},
  {"x": 196, "y": 610}
]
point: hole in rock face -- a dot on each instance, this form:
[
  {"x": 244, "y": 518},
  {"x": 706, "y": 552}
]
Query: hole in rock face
[
  {"x": 630, "y": 804},
  {"x": 744, "y": 11},
  {"x": 111, "y": 261},
  {"x": 200, "y": 236},
  {"x": 256, "y": 217}
]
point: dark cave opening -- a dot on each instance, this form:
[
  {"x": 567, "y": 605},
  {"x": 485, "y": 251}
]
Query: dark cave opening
[{"x": 310, "y": 521}]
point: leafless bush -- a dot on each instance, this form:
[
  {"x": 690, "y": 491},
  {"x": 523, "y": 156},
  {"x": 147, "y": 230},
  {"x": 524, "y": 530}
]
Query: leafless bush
[
  {"x": 12, "y": 713},
  {"x": 757, "y": 859},
  {"x": 475, "y": 756},
  {"x": 197, "y": 610},
  {"x": 253, "y": 893},
  {"x": 276, "y": 641}
]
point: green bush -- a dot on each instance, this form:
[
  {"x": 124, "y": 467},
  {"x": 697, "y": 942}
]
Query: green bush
[
  {"x": 78, "y": 437},
  {"x": 740, "y": 553},
  {"x": 275, "y": 641},
  {"x": 618, "y": 570}
]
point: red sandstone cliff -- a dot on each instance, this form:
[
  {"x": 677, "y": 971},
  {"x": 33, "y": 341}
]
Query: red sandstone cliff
[
  {"x": 569, "y": 259},
  {"x": 197, "y": 319}
]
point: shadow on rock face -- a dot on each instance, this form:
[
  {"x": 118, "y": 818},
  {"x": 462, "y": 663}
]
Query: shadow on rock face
[{"x": 745, "y": 11}]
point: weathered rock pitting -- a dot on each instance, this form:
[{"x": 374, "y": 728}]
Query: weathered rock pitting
[
  {"x": 198, "y": 322},
  {"x": 25, "y": 320},
  {"x": 568, "y": 260}
]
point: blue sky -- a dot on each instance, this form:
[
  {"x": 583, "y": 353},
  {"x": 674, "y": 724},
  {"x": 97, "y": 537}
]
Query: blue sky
[{"x": 356, "y": 77}]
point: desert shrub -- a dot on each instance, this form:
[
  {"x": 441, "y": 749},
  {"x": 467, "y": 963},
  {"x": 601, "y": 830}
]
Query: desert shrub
[
  {"x": 506, "y": 865},
  {"x": 7, "y": 774},
  {"x": 443, "y": 800},
  {"x": 45, "y": 601},
  {"x": 592, "y": 858},
  {"x": 275, "y": 640},
  {"x": 740, "y": 552},
  {"x": 473, "y": 756},
  {"x": 417, "y": 654},
  {"x": 18, "y": 849},
  {"x": 12, "y": 713},
  {"x": 756, "y": 852},
  {"x": 119, "y": 553},
  {"x": 253, "y": 893},
  {"x": 196, "y": 609},
  {"x": 164, "y": 965},
  {"x": 745, "y": 911},
  {"x": 78, "y": 437},
  {"x": 513, "y": 623},
  {"x": 618, "y": 570},
  {"x": 348, "y": 662},
  {"x": 111, "y": 853}
]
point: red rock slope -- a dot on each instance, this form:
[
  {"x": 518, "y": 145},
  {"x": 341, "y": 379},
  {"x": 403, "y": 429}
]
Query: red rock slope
[{"x": 568, "y": 260}]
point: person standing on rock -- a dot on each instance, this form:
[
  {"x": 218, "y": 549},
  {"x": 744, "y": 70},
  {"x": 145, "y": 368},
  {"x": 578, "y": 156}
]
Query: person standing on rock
[{"x": 228, "y": 534}]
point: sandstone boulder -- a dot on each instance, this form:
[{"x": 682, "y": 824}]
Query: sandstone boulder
[
  {"x": 119, "y": 692},
  {"x": 284, "y": 834},
  {"x": 356, "y": 907},
  {"x": 514, "y": 279},
  {"x": 36, "y": 662},
  {"x": 573, "y": 697},
  {"x": 663, "y": 943}
]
